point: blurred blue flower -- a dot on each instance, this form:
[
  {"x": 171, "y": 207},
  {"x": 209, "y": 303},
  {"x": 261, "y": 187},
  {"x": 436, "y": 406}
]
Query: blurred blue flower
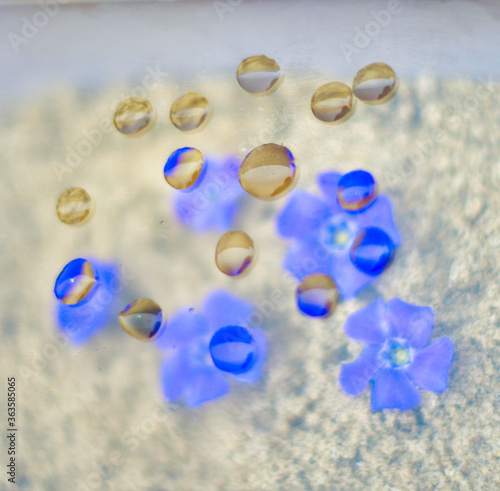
[
  {"x": 213, "y": 201},
  {"x": 397, "y": 358},
  {"x": 208, "y": 346},
  {"x": 351, "y": 245}
]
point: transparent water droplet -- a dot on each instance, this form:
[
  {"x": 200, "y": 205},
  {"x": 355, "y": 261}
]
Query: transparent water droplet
[
  {"x": 258, "y": 75},
  {"x": 75, "y": 207},
  {"x": 183, "y": 167},
  {"x": 372, "y": 251},
  {"x": 142, "y": 319},
  {"x": 317, "y": 295},
  {"x": 235, "y": 253},
  {"x": 134, "y": 116},
  {"x": 190, "y": 112},
  {"x": 268, "y": 172},
  {"x": 333, "y": 103},
  {"x": 356, "y": 190},
  {"x": 233, "y": 349},
  {"x": 375, "y": 84},
  {"x": 77, "y": 282}
]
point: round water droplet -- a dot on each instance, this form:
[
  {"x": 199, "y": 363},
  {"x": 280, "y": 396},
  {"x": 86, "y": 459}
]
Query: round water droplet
[
  {"x": 333, "y": 103},
  {"x": 235, "y": 253},
  {"x": 75, "y": 207},
  {"x": 317, "y": 295},
  {"x": 183, "y": 167},
  {"x": 356, "y": 190},
  {"x": 233, "y": 349},
  {"x": 375, "y": 84},
  {"x": 372, "y": 251},
  {"x": 142, "y": 319},
  {"x": 268, "y": 172},
  {"x": 134, "y": 116},
  {"x": 189, "y": 112},
  {"x": 258, "y": 75},
  {"x": 77, "y": 282}
]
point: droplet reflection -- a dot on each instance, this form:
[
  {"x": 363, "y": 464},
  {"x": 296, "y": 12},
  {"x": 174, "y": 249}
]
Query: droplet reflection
[
  {"x": 183, "y": 167},
  {"x": 375, "y": 84},
  {"x": 333, "y": 103},
  {"x": 317, "y": 295},
  {"x": 134, "y": 116},
  {"x": 258, "y": 75},
  {"x": 76, "y": 282},
  {"x": 189, "y": 112},
  {"x": 142, "y": 319},
  {"x": 235, "y": 253},
  {"x": 356, "y": 190},
  {"x": 372, "y": 251},
  {"x": 75, "y": 207}
]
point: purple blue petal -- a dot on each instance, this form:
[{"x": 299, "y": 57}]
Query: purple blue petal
[
  {"x": 355, "y": 376},
  {"x": 222, "y": 309},
  {"x": 205, "y": 384},
  {"x": 392, "y": 389},
  {"x": 184, "y": 328}
]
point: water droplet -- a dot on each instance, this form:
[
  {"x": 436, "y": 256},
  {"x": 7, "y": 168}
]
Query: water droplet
[
  {"x": 372, "y": 251},
  {"x": 375, "y": 84},
  {"x": 233, "y": 349},
  {"x": 258, "y": 75},
  {"x": 142, "y": 319},
  {"x": 235, "y": 253},
  {"x": 183, "y": 167},
  {"x": 134, "y": 116},
  {"x": 333, "y": 103},
  {"x": 268, "y": 172},
  {"x": 76, "y": 282},
  {"x": 75, "y": 207},
  {"x": 356, "y": 190},
  {"x": 317, "y": 295},
  {"x": 189, "y": 112}
]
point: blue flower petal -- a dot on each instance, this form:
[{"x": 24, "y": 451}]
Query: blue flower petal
[
  {"x": 261, "y": 347},
  {"x": 354, "y": 376},
  {"x": 182, "y": 330},
  {"x": 306, "y": 257},
  {"x": 412, "y": 322},
  {"x": 429, "y": 367},
  {"x": 392, "y": 389},
  {"x": 303, "y": 214},
  {"x": 175, "y": 374},
  {"x": 327, "y": 183},
  {"x": 223, "y": 309},
  {"x": 368, "y": 324},
  {"x": 205, "y": 384}
]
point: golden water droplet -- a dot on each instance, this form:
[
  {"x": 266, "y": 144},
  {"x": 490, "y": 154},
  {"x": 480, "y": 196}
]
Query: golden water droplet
[
  {"x": 333, "y": 103},
  {"x": 375, "y": 84},
  {"x": 76, "y": 282},
  {"x": 75, "y": 207},
  {"x": 317, "y": 295},
  {"x": 183, "y": 167},
  {"x": 258, "y": 75},
  {"x": 268, "y": 172},
  {"x": 235, "y": 253},
  {"x": 134, "y": 116},
  {"x": 189, "y": 112},
  {"x": 142, "y": 319}
]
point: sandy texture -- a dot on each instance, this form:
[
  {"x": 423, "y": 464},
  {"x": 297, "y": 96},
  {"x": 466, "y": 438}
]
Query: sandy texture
[{"x": 295, "y": 429}]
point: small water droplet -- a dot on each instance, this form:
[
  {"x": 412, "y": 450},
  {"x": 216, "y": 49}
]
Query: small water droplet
[
  {"x": 258, "y": 75},
  {"x": 372, "y": 251},
  {"x": 356, "y": 190},
  {"x": 142, "y": 319},
  {"x": 375, "y": 84},
  {"x": 333, "y": 103},
  {"x": 233, "y": 349},
  {"x": 189, "y": 112},
  {"x": 235, "y": 253},
  {"x": 268, "y": 172},
  {"x": 317, "y": 295},
  {"x": 76, "y": 282},
  {"x": 75, "y": 207},
  {"x": 183, "y": 167},
  {"x": 134, "y": 116}
]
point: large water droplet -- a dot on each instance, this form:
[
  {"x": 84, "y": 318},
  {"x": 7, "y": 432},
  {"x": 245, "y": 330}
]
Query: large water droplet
[
  {"x": 134, "y": 116},
  {"x": 317, "y": 295},
  {"x": 268, "y": 172},
  {"x": 372, "y": 251},
  {"x": 189, "y": 112},
  {"x": 258, "y": 75},
  {"x": 375, "y": 84},
  {"x": 233, "y": 349},
  {"x": 333, "y": 103},
  {"x": 235, "y": 253},
  {"x": 75, "y": 207},
  {"x": 183, "y": 167},
  {"x": 76, "y": 282},
  {"x": 142, "y": 319},
  {"x": 356, "y": 190}
]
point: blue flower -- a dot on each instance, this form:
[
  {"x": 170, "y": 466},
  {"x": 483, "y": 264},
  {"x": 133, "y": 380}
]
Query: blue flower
[
  {"x": 213, "y": 201},
  {"x": 397, "y": 358},
  {"x": 352, "y": 245},
  {"x": 207, "y": 347}
]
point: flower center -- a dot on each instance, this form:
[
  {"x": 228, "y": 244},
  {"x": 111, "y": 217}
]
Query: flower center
[
  {"x": 397, "y": 352},
  {"x": 338, "y": 236}
]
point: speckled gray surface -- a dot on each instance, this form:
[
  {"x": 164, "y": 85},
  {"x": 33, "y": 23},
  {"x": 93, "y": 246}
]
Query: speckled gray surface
[{"x": 295, "y": 429}]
